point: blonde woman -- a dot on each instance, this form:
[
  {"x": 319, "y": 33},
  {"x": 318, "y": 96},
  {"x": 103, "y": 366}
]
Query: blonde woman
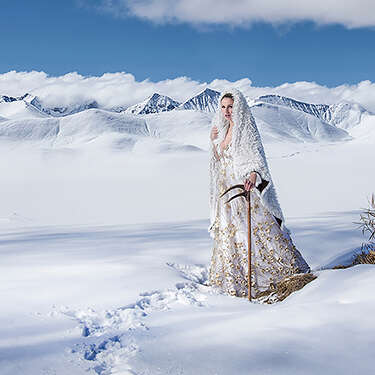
[{"x": 237, "y": 157}]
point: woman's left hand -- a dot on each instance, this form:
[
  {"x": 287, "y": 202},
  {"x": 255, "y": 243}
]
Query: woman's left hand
[{"x": 250, "y": 182}]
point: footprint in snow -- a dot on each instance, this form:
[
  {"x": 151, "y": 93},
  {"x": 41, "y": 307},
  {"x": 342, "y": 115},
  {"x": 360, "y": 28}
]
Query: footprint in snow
[{"x": 110, "y": 336}]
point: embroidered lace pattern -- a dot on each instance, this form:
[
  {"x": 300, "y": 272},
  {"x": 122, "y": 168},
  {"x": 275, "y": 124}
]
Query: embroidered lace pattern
[{"x": 274, "y": 255}]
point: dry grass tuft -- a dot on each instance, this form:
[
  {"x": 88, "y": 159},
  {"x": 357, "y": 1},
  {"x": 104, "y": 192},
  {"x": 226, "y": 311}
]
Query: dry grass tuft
[
  {"x": 340, "y": 266},
  {"x": 365, "y": 258},
  {"x": 285, "y": 287}
]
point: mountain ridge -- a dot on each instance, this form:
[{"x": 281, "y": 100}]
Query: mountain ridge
[
  {"x": 207, "y": 100},
  {"x": 155, "y": 103},
  {"x": 343, "y": 114}
]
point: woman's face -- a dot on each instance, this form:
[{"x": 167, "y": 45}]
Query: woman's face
[{"x": 227, "y": 107}]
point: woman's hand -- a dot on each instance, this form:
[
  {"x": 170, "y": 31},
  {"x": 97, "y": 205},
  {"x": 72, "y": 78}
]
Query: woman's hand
[
  {"x": 214, "y": 133},
  {"x": 250, "y": 182}
]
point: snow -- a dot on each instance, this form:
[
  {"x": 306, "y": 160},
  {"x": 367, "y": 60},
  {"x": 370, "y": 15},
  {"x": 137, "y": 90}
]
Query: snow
[
  {"x": 365, "y": 131},
  {"x": 19, "y": 109},
  {"x": 80, "y": 128},
  {"x": 345, "y": 114},
  {"x": 104, "y": 250},
  {"x": 278, "y": 123},
  {"x": 114, "y": 298},
  {"x": 182, "y": 127},
  {"x": 154, "y": 104},
  {"x": 207, "y": 100}
]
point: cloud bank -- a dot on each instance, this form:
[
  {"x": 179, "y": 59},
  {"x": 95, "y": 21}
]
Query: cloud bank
[
  {"x": 242, "y": 13},
  {"x": 122, "y": 89}
]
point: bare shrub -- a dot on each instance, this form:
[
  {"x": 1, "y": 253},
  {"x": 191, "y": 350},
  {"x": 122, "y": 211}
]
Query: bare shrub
[
  {"x": 367, "y": 225},
  {"x": 367, "y": 220}
]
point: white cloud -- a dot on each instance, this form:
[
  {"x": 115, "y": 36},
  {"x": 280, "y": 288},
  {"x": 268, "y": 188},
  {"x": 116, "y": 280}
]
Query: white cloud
[
  {"x": 122, "y": 89},
  {"x": 110, "y": 89},
  {"x": 350, "y": 13}
]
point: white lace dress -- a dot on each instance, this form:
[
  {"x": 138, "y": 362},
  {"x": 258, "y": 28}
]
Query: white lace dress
[{"x": 273, "y": 254}]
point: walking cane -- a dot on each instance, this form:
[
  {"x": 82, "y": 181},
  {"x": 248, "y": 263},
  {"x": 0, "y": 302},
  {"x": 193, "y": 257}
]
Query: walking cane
[{"x": 245, "y": 194}]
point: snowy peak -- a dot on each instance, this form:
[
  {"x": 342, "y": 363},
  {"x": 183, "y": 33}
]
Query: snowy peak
[
  {"x": 156, "y": 103},
  {"x": 9, "y": 99},
  {"x": 346, "y": 115},
  {"x": 59, "y": 111},
  {"x": 19, "y": 107},
  {"x": 279, "y": 123},
  {"x": 343, "y": 115},
  {"x": 36, "y": 107},
  {"x": 313, "y": 109},
  {"x": 206, "y": 101}
]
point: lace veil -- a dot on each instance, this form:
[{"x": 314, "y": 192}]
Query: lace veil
[{"x": 248, "y": 155}]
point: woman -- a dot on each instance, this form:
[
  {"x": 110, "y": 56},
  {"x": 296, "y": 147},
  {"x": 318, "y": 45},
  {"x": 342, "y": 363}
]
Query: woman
[{"x": 237, "y": 157}]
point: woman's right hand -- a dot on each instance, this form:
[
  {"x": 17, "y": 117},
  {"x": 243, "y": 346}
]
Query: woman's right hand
[{"x": 214, "y": 133}]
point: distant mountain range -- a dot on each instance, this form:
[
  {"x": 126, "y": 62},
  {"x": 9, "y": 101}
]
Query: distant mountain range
[
  {"x": 344, "y": 114},
  {"x": 86, "y": 127},
  {"x": 64, "y": 110},
  {"x": 279, "y": 119},
  {"x": 206, "y": 100},
  {"x": 31, "y": 103}
]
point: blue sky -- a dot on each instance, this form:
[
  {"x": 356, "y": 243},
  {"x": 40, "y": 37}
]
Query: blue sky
[{"x": 60, "y": 37}]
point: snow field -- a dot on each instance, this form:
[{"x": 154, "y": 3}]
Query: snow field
[{"x": 104, "y": 248}]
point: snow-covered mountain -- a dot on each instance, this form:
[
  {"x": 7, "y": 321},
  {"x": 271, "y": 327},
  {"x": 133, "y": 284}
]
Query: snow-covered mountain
[
  {"x": 59, "y": 111},
  {"x": 156, "y": 103},
  {"x": 344, "y": 115},
  {"x": 20, "y": 107},
  {"x": 90, "y": 126},
  {"x": 9, "y": 99},
  {"x": 100, "y": 129},
  {"x": 277, "y": 123},
  {"x": 181, "y": 127},
  {"x": 279, "y": 119},
  {"x": 365, "y": 131},
  {"x": 206, "y": 100},
  {"x": 31, "y": 106}
]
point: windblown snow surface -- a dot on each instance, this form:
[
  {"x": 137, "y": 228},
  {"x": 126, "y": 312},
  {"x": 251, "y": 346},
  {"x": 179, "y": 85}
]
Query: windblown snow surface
[{"x": 105, "y": 252}]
